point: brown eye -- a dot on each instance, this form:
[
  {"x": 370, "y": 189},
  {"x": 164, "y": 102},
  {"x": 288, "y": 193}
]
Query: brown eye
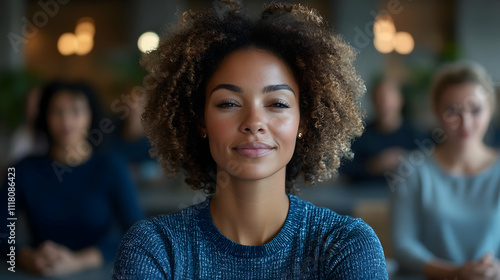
[
  {"x": 280, "y": 104},
  {"x": 227, "y": 104}
]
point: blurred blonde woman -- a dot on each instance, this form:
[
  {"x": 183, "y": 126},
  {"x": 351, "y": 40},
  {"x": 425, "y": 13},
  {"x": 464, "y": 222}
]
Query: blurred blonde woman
[{"x": 446, "y": 214}]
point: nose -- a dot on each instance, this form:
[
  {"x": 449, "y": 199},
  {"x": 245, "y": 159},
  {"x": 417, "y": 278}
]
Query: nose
[
  {"x": 467, "y": 121},
  {"x": 253, "y": 121}
]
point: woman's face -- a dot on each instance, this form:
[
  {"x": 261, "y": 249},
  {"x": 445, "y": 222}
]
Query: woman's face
[
  {"x": 68, "y": 118},
  {"x": 252, "y": 114},
  {"x": 464, "y": 111}
]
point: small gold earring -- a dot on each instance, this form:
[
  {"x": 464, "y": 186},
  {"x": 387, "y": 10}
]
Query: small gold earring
[{"x": 300, "y": 135}]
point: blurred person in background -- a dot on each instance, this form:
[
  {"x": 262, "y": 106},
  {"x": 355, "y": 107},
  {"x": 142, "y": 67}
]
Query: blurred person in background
[
  {"x": 130, "y": 141},
  {"x": 385, "y": 141},
  {"x": 446, "y": 213},
  {"x": 25, "y": 141},
  {"x": 78, "y": 202}
]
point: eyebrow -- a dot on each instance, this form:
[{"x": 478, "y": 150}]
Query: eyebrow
[
  {"x": 266, "y": 89},
  {"x": 277, "y": 87}
]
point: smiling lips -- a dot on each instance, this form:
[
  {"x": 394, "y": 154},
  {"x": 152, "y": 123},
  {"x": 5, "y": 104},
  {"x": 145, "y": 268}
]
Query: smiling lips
[{"x": 253, "y": 149}]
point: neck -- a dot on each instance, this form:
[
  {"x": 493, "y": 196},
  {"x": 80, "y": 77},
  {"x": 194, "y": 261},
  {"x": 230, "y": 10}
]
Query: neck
[
  {"x": 465, "y": 159},
  {"x": 250, "y": 212},
  {"x": 71, "y": 154},
  {"x": 132, "y": 129},
  {"x": 388, "y": 123}
]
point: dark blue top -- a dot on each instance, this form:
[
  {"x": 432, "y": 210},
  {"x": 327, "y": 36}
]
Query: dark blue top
[
  {"x": 91, "y": 204},
  {"x": 313, "y": 243},
  {"x": 372, "y": 143}
]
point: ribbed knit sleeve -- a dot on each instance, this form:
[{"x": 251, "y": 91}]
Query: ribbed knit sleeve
[
  {"x": 138, "y": 256},
  {"x": 358, "y": 254}
]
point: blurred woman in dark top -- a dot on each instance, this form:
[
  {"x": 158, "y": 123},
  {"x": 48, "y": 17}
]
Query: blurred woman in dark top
[{"x": 78, "y": 201}]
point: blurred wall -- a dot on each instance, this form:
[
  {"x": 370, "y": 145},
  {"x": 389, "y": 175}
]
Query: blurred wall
[
  {"x": 478, "y": 31},
  {"x": 11, "y": 57},
  {"x": 354, "y": 21}
]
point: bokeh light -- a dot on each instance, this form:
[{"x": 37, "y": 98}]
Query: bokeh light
[
  {"x": 85, "y": 43},
  {"x": 384, "y": 28},
  {"x": 403, "y": 43},
  {"x": 67, "y": 44},
  {"x": 148, "y": 41},
  {"x": 85, "y": 25},
  {"x": 386, "y": 39},
  {"x": 383, "y": 45}
]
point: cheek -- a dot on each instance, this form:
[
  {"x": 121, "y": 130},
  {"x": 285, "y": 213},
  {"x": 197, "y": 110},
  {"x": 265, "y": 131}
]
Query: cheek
[
  {"x": 219, "y": 127},
  {"x": 54, "y": 123},
  {"x": 285, "y": 132},
  {"x": 287, "y": 128},
  {"x": 483, "y": 120},
  {"x": 83, "y": 121},
  {"x": 220, "y": 130}
]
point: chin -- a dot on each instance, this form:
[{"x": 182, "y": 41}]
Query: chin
[{"x": 251, "y": 170}]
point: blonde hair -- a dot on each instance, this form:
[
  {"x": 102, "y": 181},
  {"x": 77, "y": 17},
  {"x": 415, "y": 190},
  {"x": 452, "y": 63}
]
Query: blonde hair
[{"x": 461, "y": 73}]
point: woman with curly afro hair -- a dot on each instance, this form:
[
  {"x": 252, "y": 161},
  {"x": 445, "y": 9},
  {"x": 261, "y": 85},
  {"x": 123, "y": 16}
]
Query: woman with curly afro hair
[{"x": 245, "y": 108}]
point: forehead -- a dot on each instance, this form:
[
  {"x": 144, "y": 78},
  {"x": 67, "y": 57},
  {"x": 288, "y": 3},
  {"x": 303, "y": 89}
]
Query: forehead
[
  {"x": 65, "y": 97},
  {"x": 468, "y": 93},
  {"x": 252, "y": 67}
]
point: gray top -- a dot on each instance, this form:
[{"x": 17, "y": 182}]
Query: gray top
[{"x": 436, "y": 214}]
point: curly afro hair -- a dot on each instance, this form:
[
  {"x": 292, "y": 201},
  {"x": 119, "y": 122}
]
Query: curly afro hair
[{"x": 186, "y": 58}]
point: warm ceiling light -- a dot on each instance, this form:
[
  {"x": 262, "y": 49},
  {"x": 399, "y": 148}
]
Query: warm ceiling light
[
  {"x": 384, "y": 27},
  {"x": 85, "y": 27},
  {"x": 386, "y": 39},
  {"x": 148, "y": 41},
  {"x": 67, "y": 44},
  {"x": 403, "y": 43},
  {"x": 383, "y": 45},
  {"x": 85, "y": 43}
]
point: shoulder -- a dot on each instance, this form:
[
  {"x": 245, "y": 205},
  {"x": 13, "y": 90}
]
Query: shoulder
[
  {"x": 108, "y": 158},
  {"x": 33, "y": 167},
  {"x": 165, "y": 228},
  {"x": 150, "y": 247},
  {"x": 108, "y": 164},
  {"x": 344, "y": 242},
  {"x": 32, "y": 162},
  {"x": 417, "y": 168},
  {"x": 370, "y": 131},
  {"x": 142, "y": 253},
  {"x": 336, "y": 227},
  {"x": 149, "y": 234}
]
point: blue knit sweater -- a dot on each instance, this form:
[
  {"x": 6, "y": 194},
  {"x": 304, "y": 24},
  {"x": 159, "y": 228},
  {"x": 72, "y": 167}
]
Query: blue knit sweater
[{"x": 314, "y": 243}]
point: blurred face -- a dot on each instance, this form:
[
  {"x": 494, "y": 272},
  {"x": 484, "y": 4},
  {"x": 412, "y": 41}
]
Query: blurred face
[
  {"x": 387, "y": 99},
  {"x": 68, "y": 118},
  {"x": 465, "y": 113},
  {"x": 252, "y": 114}
]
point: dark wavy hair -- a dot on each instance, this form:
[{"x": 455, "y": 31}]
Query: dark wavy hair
[
  {"x": 187, "y": 57},
  {"x": 51, "y": 89}
]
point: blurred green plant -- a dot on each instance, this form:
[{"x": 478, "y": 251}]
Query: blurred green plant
[{"x": 14, "y": 86}]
